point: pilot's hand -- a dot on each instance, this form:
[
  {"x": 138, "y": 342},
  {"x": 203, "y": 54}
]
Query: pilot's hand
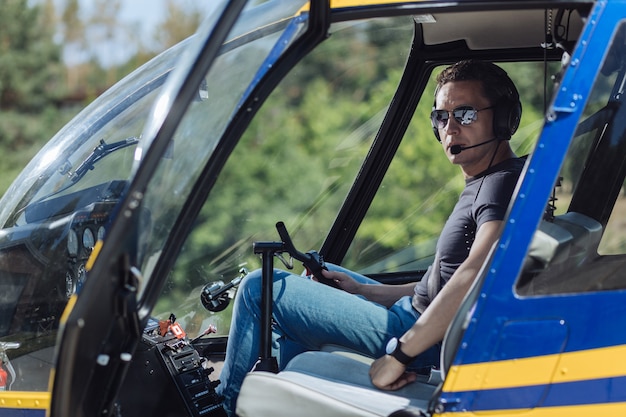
[
  {"x": 343, "y": 281},
  {"x": 388, "y": 374}
]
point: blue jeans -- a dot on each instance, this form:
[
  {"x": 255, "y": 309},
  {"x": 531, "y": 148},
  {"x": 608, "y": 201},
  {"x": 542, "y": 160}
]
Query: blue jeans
[{"x": 308, "y": 315}]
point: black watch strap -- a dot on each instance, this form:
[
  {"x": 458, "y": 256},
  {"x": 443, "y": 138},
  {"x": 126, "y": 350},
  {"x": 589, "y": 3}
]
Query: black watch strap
[{"x": 400, "y": 356}]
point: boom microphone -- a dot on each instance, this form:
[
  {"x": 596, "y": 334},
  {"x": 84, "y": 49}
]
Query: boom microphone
[{"x": 456, "y": 149}]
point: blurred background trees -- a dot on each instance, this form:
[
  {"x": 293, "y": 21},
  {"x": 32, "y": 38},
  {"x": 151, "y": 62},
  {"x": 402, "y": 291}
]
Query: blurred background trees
[
  {"x": 31, "y": 84},
  {"x": 56, "y": 56}
]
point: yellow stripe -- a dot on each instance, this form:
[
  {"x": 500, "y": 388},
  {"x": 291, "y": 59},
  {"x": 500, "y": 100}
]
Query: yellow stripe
[
  {"x": 68, "y": 308},
  {"x": 336, "y": 4},
  {"x": 340, "y": 4},
  {"x": 591, "y": 364},
  {"x": 94, "y": 255},
  {"x": 592, "y": 410},
  {"x": 567, "y": 367},
  {"x": 24, "y": 399}
]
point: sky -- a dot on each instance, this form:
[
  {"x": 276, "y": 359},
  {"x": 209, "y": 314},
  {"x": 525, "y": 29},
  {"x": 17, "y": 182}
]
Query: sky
[{"x": 151, "y": 11}]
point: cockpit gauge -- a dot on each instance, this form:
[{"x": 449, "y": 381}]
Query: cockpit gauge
[
  {"x": 88, "y": 239},
  {"x": 100, "y": 233},
  {"x": 72, "y": 243}
]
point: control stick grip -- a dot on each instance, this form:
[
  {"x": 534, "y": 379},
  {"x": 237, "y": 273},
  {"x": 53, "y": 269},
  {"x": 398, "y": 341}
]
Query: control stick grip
[{"x": 312, "y": 260}]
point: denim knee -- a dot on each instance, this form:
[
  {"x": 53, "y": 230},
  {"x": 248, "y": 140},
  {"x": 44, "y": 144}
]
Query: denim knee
[{"x": 250, "y": 290}]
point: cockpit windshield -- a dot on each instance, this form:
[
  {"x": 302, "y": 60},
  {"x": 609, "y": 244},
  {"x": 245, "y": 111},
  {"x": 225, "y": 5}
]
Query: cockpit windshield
[
  {"x": 242, "y": 61},
  {"x": 61, "y": 205}
]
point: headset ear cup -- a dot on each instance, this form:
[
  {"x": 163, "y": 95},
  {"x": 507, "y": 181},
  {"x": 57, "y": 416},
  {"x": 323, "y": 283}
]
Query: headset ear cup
[
  {"x": 506, "y": 118},
  {"x": 515, "y": 118}
]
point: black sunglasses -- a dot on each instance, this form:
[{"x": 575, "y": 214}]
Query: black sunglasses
[{"x": 465, "y": 115}]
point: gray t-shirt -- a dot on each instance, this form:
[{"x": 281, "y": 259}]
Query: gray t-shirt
[{"x": 485, "y": 198}]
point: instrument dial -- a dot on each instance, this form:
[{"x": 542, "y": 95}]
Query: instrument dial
[
  {"x": 88, "y": 239},
  {"x": 100, "y": 233},
  {"x": 72, "y": 243}
]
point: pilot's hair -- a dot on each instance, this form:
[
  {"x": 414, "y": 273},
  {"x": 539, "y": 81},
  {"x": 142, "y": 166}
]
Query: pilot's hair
[{"x": 495, "y": 81}]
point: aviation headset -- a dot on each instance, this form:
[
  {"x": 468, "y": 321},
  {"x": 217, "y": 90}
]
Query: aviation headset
[{"x": 507, "y": 109}]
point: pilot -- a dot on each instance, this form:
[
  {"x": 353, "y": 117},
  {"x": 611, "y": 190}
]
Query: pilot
[{"x": 476, "y": 110}]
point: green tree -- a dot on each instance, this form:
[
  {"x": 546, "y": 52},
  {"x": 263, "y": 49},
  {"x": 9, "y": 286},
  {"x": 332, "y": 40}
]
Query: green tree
[
  {"x": 31, "y": 81},
  {"x": 333, "y": 103}
]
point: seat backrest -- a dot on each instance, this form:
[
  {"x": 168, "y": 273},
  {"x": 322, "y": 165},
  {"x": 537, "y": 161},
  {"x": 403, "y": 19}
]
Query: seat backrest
[
  {"x": 571, "y": 237},
  {"x": 568, "y": 242}
]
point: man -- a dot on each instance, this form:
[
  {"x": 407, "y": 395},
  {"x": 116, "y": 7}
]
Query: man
[
  {"x": 476, "y": 111},
  {"x": 458, "y": 86}
]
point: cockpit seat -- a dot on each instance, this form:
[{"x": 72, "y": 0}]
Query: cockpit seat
[
  {"x": 341, "y": 387},
  {"x": 337, "y": 383}
]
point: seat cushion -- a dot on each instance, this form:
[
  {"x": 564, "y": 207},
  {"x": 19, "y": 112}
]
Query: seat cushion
[{"x": 325, "y": 384}]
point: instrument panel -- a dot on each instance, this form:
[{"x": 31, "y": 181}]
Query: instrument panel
[
  {"x": 86, "y": 228},
  {"x": 43, "y": 260}
]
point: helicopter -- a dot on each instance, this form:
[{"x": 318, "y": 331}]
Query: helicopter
[{"x": 288, "y": 126}]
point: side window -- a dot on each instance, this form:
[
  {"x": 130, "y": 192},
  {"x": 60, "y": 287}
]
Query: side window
[
  {"x": 295, "y": 163},
  {"x": 580, "y": 246},
  {"x": 400, "y": 230},
  {"x": 421, "y": 187}
]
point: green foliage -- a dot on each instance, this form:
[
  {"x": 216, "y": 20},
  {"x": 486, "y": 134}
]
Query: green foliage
[
  {"x": 31, "y": 81},
  {"x": 30, "y": 70},
  {"x": 328, "y": 110},
  {"x": 297, "y": 158},
  {"x": 39, "y": 92},
  {"x": 304, "y": 147}
]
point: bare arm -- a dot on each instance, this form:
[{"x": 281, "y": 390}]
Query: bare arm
[
  {"x": 383, "y": 294},
  {"x": 430, "y": 328}
]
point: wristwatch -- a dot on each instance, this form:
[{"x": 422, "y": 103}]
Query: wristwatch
[{"x": 394, "y": 348}]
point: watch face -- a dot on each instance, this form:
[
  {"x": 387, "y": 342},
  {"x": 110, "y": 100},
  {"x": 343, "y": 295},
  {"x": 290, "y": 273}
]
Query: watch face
[{"x": 391, "y": 345}]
